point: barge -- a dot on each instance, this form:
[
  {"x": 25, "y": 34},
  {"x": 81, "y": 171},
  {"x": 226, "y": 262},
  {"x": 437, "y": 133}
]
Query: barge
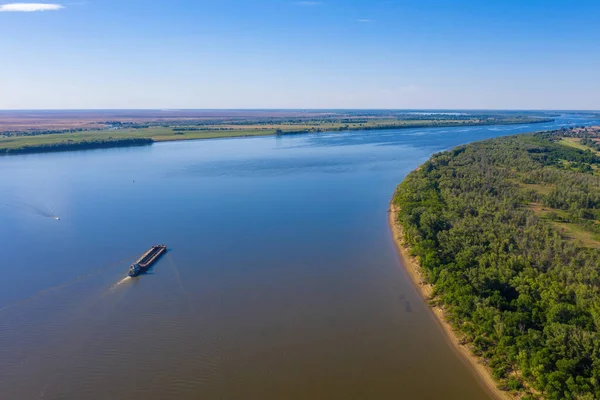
[{"x": 147, "y": 260}]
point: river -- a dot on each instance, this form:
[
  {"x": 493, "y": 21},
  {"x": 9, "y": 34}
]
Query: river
[{"x": 282, "y": 280}]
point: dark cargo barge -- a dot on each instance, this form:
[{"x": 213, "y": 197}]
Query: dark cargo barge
[{"x": 147, "y": 260}]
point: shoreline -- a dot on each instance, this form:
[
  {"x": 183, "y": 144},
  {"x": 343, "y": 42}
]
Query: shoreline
[
  {"x": 32, "y": 144},
  {"x": 412, "y": 267}
]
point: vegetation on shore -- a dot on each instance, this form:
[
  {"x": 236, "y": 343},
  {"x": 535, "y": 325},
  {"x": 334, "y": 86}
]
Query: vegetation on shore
[
  {"x": 508, "y": 233},
  {"x": 415, "y": 123},
  {"x": 174, "y": 130},
  {"x": 66, "y": 140},
  {"x": 77, "y": 145}
]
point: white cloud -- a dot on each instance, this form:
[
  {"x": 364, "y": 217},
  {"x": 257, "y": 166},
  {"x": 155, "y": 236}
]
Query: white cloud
[
  {"x": 29, "y": 7},
  {"x": 365, "y": 21},
  {"x": 308, "y": 3}
]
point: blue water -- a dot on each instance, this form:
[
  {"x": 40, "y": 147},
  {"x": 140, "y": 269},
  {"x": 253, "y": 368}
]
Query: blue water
[{"x": 281, "y": 282}]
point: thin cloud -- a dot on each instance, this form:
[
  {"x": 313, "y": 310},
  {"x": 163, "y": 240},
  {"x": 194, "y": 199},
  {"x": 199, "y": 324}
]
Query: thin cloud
[
  {"x": 308, "y": 3},
  {"x": 365, "y": 21},
  {"x": 29, "y": 7}
]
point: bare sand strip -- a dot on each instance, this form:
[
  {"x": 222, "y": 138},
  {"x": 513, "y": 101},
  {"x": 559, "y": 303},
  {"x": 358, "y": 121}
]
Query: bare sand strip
[{"x": 412, "y": 266}]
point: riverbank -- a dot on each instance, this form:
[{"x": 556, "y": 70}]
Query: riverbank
[
  {"x": 414, "y": 270},
  {"x": 497, "y": 226},
  {"x": 27, "y": 142},
  {"x": 73, "y": 146}
]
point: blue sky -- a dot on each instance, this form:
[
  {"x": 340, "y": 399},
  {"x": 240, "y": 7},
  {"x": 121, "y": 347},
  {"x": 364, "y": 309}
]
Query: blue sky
[{"x": 527, "y": 54}]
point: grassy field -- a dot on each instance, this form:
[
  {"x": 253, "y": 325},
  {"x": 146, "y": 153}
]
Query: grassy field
[
  {"x": 571, "y": 231},
  {"x": 541, "y": 189},
  {"x": 579, "y": 234},
  {"x": 576, "y": 143}
]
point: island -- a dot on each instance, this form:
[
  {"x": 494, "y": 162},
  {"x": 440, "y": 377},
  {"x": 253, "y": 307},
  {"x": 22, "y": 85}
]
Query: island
[
  {"x": 41, "y": 131},
  {"x": 503, "y": 239}
]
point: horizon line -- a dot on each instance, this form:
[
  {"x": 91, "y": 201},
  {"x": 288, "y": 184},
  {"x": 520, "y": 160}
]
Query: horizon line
[{"x": 298, "y": 109}]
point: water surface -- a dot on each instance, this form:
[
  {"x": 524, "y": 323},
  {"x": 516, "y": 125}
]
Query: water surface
[{"x": 282, "y": 281}]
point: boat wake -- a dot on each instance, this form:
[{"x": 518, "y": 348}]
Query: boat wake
[
  {"x": 180, "y": 282},
  {"x": 67, "y": 284},
  {"x": 45, "y": 212},
  {"x": 122, "y": 281}
]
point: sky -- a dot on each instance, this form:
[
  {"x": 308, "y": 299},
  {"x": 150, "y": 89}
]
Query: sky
[{"x": 246, "y": 54}]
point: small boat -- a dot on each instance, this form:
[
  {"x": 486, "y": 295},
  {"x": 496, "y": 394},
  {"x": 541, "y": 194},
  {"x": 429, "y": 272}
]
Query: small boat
[{"x": 147, "y": 260}]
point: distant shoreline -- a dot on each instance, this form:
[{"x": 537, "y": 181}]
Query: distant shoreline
[
  {"x": 413, "y": 268},
  {"x": 75, "y": 146},
  {"x": 87, "y": 140}
]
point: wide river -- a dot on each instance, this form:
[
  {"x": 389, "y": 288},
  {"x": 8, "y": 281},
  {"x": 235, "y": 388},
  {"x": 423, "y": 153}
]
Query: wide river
[{"x": 282, "y": 280}]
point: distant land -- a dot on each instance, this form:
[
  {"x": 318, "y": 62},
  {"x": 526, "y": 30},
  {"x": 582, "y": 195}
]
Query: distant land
[
  {"x": 503, "y": 239},
  {"x": 49, "y": 130}
]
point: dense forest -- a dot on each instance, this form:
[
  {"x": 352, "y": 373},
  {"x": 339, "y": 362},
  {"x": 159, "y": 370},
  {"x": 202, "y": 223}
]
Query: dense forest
[{"x": 508, "y": 233}]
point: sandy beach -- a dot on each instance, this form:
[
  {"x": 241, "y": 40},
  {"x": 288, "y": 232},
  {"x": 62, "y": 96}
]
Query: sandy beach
[{"x": 412, "y": 266}]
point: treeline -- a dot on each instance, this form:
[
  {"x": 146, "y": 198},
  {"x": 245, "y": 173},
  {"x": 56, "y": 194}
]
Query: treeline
[
  {"x": 332, "y": 117},
  {"x": 425, "y": 124},
  {"x": 77, "y": 145},
  {"x": 41, "y": 132},
  {"x": 525, "y": 297},
  {"x": 192, "y": 129},
  {"x": 591, "y": 143}
]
